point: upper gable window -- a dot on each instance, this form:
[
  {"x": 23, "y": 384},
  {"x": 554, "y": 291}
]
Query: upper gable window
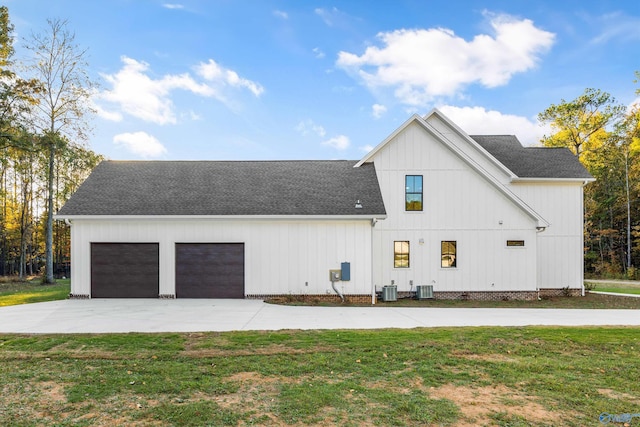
[{"x": 413, "y": 192}]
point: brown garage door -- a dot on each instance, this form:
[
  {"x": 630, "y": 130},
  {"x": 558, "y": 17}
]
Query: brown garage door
[
  {"x": 124, "y": 270},
  {"x": 209, "y": 270}
]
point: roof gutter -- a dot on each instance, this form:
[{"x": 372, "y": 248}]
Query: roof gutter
[
  {"x": 370, "y": 217},
  {"x": 583, "y": 181}
]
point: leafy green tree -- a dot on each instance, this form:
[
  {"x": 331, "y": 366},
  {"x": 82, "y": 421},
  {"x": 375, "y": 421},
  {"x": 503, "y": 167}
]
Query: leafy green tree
[
  {"x": 580, "y": 124},
  {"x": 17, "y": 98},
  {"x": 598, "y": 131},
  {"x": 17, "y": 95},
  {"x": 601, "y": 202},
  {"x": 627, "y": 137}
]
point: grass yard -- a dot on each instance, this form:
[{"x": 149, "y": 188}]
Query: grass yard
[
  {"x": 14, "y": 292},
  {"x": 422, "y": 377},
  {"x": 618, "y": 287}
]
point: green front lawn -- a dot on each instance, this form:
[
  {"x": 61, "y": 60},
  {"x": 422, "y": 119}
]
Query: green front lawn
[
  {"x": 15, "y": 292},
  {"x": 617, "y": 287},
  {"x": 533, "y": 376},
  {"x": 618, "y": 290}
]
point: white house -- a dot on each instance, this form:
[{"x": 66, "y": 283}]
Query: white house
[{"x": 474, "y": 216}]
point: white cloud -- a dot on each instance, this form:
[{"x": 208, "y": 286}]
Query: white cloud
[
  {"x": 141, "y": 144},
  {"x": 280, "y": 14},
  {"x": 135, "y": 93},
  {"x": 327, "y": 16},
  {"x": 378, "y": 110},
  {"x": 307, "y": 126},
  {"x": 423, "y": 64},
  {"x": 339, "y": 142},
  {"x": 478, "y": 121},
  {"x": 173, "y": 6},
  {"x": 616, "y": 26},
  {"x": 112, "y": 116},
  {"x": 318, "y": 53},
  {"x": 194, "y": 116},
  {"x": 213, "y": 72}
]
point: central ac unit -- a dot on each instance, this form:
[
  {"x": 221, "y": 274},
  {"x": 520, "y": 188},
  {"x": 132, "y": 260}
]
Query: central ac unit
[
  {"x": 389, "y": 293},
  {"x": 424, "y": 291}
]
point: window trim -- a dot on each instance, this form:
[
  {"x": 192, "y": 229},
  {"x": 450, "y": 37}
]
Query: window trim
[
  {"x": 413, "y": 193},
  {"x": 455, "y": 254},
  {"x": 401, "y": 253}
]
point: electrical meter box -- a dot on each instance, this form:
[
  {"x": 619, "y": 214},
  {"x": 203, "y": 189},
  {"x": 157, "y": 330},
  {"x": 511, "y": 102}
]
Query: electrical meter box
[
  {"x": 345, "y": 269},
  {"x": 335, "y": 276}
]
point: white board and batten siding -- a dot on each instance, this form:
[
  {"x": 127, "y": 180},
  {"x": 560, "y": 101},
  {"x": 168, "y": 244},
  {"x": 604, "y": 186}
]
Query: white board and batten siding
[
  {"x": 470, "y": 148},
  {"x": 560, "y": 248},
  {"x": 561, "y": 245},
  {"x": 282, "y": 257},
  {"x": 458, "y": 205}
]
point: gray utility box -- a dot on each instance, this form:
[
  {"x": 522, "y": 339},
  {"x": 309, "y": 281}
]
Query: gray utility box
[
  {"x": 345, "y": 271},
  {"x": 389, "y": 293},
  {"x": 424, "y": 291}
]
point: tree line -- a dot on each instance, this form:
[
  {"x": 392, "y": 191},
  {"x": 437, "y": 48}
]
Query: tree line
[{"x": 44, "y": 125}]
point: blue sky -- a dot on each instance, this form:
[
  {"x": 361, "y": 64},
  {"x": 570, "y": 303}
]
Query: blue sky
[{"x": 297, "y": 79}]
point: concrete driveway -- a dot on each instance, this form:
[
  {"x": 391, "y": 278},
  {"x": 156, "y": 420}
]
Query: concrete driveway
[{"x": 193, "y": 315}]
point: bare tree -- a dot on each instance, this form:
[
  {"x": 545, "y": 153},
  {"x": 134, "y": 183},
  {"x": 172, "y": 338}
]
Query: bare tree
[{"x": 61, "y": 115}]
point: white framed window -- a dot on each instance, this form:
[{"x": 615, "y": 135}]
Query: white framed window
[
  {"x": 413, "y": 193},
  {"x": 401, "y": 254},
  {"x": 448, "y": 254}
]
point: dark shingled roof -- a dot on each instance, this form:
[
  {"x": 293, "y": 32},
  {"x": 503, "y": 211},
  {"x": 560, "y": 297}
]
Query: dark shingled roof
[
  {"x": 532, "y": 162},
  {"x": 227, "y": 188}
]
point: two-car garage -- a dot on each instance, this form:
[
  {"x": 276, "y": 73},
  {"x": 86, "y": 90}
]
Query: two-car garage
[{"x": 202, "y": 270}]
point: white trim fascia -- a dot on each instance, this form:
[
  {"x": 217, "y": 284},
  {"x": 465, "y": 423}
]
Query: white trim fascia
[
  {"x": 220, "y": 217},
  {"x": 378, "y": 147},
  {"x": 583, "y": 181},
  {"x": 470, "y": 141}
]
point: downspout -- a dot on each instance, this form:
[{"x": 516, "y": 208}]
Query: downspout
[
  {"x": 582, "y": 291},
  {"x": 539, "y": 229},
  {"x": 373, "y": 286}
]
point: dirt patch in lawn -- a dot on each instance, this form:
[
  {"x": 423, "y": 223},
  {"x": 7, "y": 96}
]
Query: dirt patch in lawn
[
  {"x": 612, "y": 394},
  {"x": 477, "y": 405},
  {"x": 270, "y": 350},
  {"x": 53, "y": 392},
  {"x": 485, "y": 357}
]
